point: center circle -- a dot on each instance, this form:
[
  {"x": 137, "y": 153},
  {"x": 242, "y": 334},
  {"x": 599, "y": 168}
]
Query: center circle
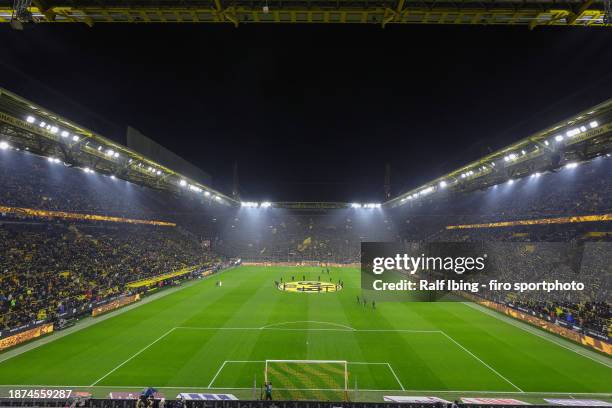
[{"x": 309, "y": 287}]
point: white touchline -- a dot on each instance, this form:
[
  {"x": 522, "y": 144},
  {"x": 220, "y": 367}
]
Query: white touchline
[
  {"x": 477, "y": 358},
  {"x": 518, "y": 325},
  {"x": 56, "y": 336},
  {"x": 134, "y": 355}
]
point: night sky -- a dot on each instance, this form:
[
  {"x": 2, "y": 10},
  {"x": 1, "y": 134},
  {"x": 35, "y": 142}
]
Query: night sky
[{"x": 312, "y": 112}]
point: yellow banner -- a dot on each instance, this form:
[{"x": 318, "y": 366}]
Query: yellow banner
[
  {"x": 541, "y": 221},
  {"x": 155, "y": 279},
  {"x": 30, "y": 212}
]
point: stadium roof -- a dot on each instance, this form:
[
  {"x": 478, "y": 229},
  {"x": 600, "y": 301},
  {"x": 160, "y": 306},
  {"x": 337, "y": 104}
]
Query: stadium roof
[
  {"x": 580, "y": 137},
  {"x": 41, "y": 131},
  {"x": 531, "y": 13}
]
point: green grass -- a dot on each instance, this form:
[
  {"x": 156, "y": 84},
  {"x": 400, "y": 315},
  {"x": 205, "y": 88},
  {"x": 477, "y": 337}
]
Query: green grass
[{"x": 207, "y": 336}]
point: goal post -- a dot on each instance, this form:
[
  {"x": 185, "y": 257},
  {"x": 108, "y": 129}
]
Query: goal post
[{"x": 308, "y": 379}]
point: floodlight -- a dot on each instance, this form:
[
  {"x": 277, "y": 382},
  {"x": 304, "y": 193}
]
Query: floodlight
[
  {"x": 158, "y": 172},
  {"x": 64, "y": 133},
  {"x": 110, "y": 152},
  {"x": 355, "y": 205},
  {"x": 30, "y": 119},
  {"x": 87, "y": 170},
  {"x": 54, "y": 129},
  {"x": 183, "y": 183},
  {"x": 573, "y": 132},
  {"x": 571, "y": 165},
  {"x": 558, "y": 138},
  {"x": 593, "y": 124},
  {"x": 266, "y": 204},
  {"x": 42, "y": 124},
  {"x": 207, "y": 193},
  {"x": 116, "y": 154},
  {"x": 427, "y": 190},
  {"x": 99, "y": 148},
  {"x": 510, "y": 181},
  {"x": 75, "y": 138},
  {"x": 546, "y": 142},
  {"x": 583, "y": 128},
  {"x": 4, "y": 145},
  {"x": 113, "y": 177},
  {"x": 443, "y": 184}
]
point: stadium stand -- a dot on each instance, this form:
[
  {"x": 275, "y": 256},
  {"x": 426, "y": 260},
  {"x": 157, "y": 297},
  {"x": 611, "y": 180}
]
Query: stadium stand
[
  {"x": 583, "y": 190},
  {"x": 569, "y": 192},
  {"x": 281, "y": 235},
  {"x": 50, "y": 266},
  {"x": 117, "y": 232}
]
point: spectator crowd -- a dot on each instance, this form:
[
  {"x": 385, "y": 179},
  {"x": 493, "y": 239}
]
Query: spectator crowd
[{"x": 49, "y": 266}]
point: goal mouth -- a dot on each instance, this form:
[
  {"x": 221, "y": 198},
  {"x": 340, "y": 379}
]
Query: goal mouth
[{"x": 307, "y": 379}]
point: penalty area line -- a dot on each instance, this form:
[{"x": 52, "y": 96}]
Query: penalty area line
[
  {"x": 217, "y": 374},
  {"x": 395, "y": 375},
  {"x": 482, "y": 362},
  {"x": 134, "y": 355},
  {"x": 531, "y": 330},
  {"x": 230, "y": 362}
]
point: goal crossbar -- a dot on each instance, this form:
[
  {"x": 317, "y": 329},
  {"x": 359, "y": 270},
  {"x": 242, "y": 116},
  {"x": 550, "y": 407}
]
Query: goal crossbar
[
  {"x": 344, "y": 363},
  {"x": 309, "y": 361}
]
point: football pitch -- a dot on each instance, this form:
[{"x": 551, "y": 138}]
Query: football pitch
[{"x": 205, "y": 337}]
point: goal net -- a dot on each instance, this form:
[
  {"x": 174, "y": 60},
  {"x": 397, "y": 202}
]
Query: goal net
[{"x": 308, "y": 379}]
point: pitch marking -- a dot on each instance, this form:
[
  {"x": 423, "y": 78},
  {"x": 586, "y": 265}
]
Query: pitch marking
[
  {"x": 134, "y": 355},
  {"x": 307, "y": 321},
  {"x": 601, "y": 394},
  {"x": 534, "y": 332},
  {"x": 300, "y": 389},
  {"x": 477, "y": 358}
]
